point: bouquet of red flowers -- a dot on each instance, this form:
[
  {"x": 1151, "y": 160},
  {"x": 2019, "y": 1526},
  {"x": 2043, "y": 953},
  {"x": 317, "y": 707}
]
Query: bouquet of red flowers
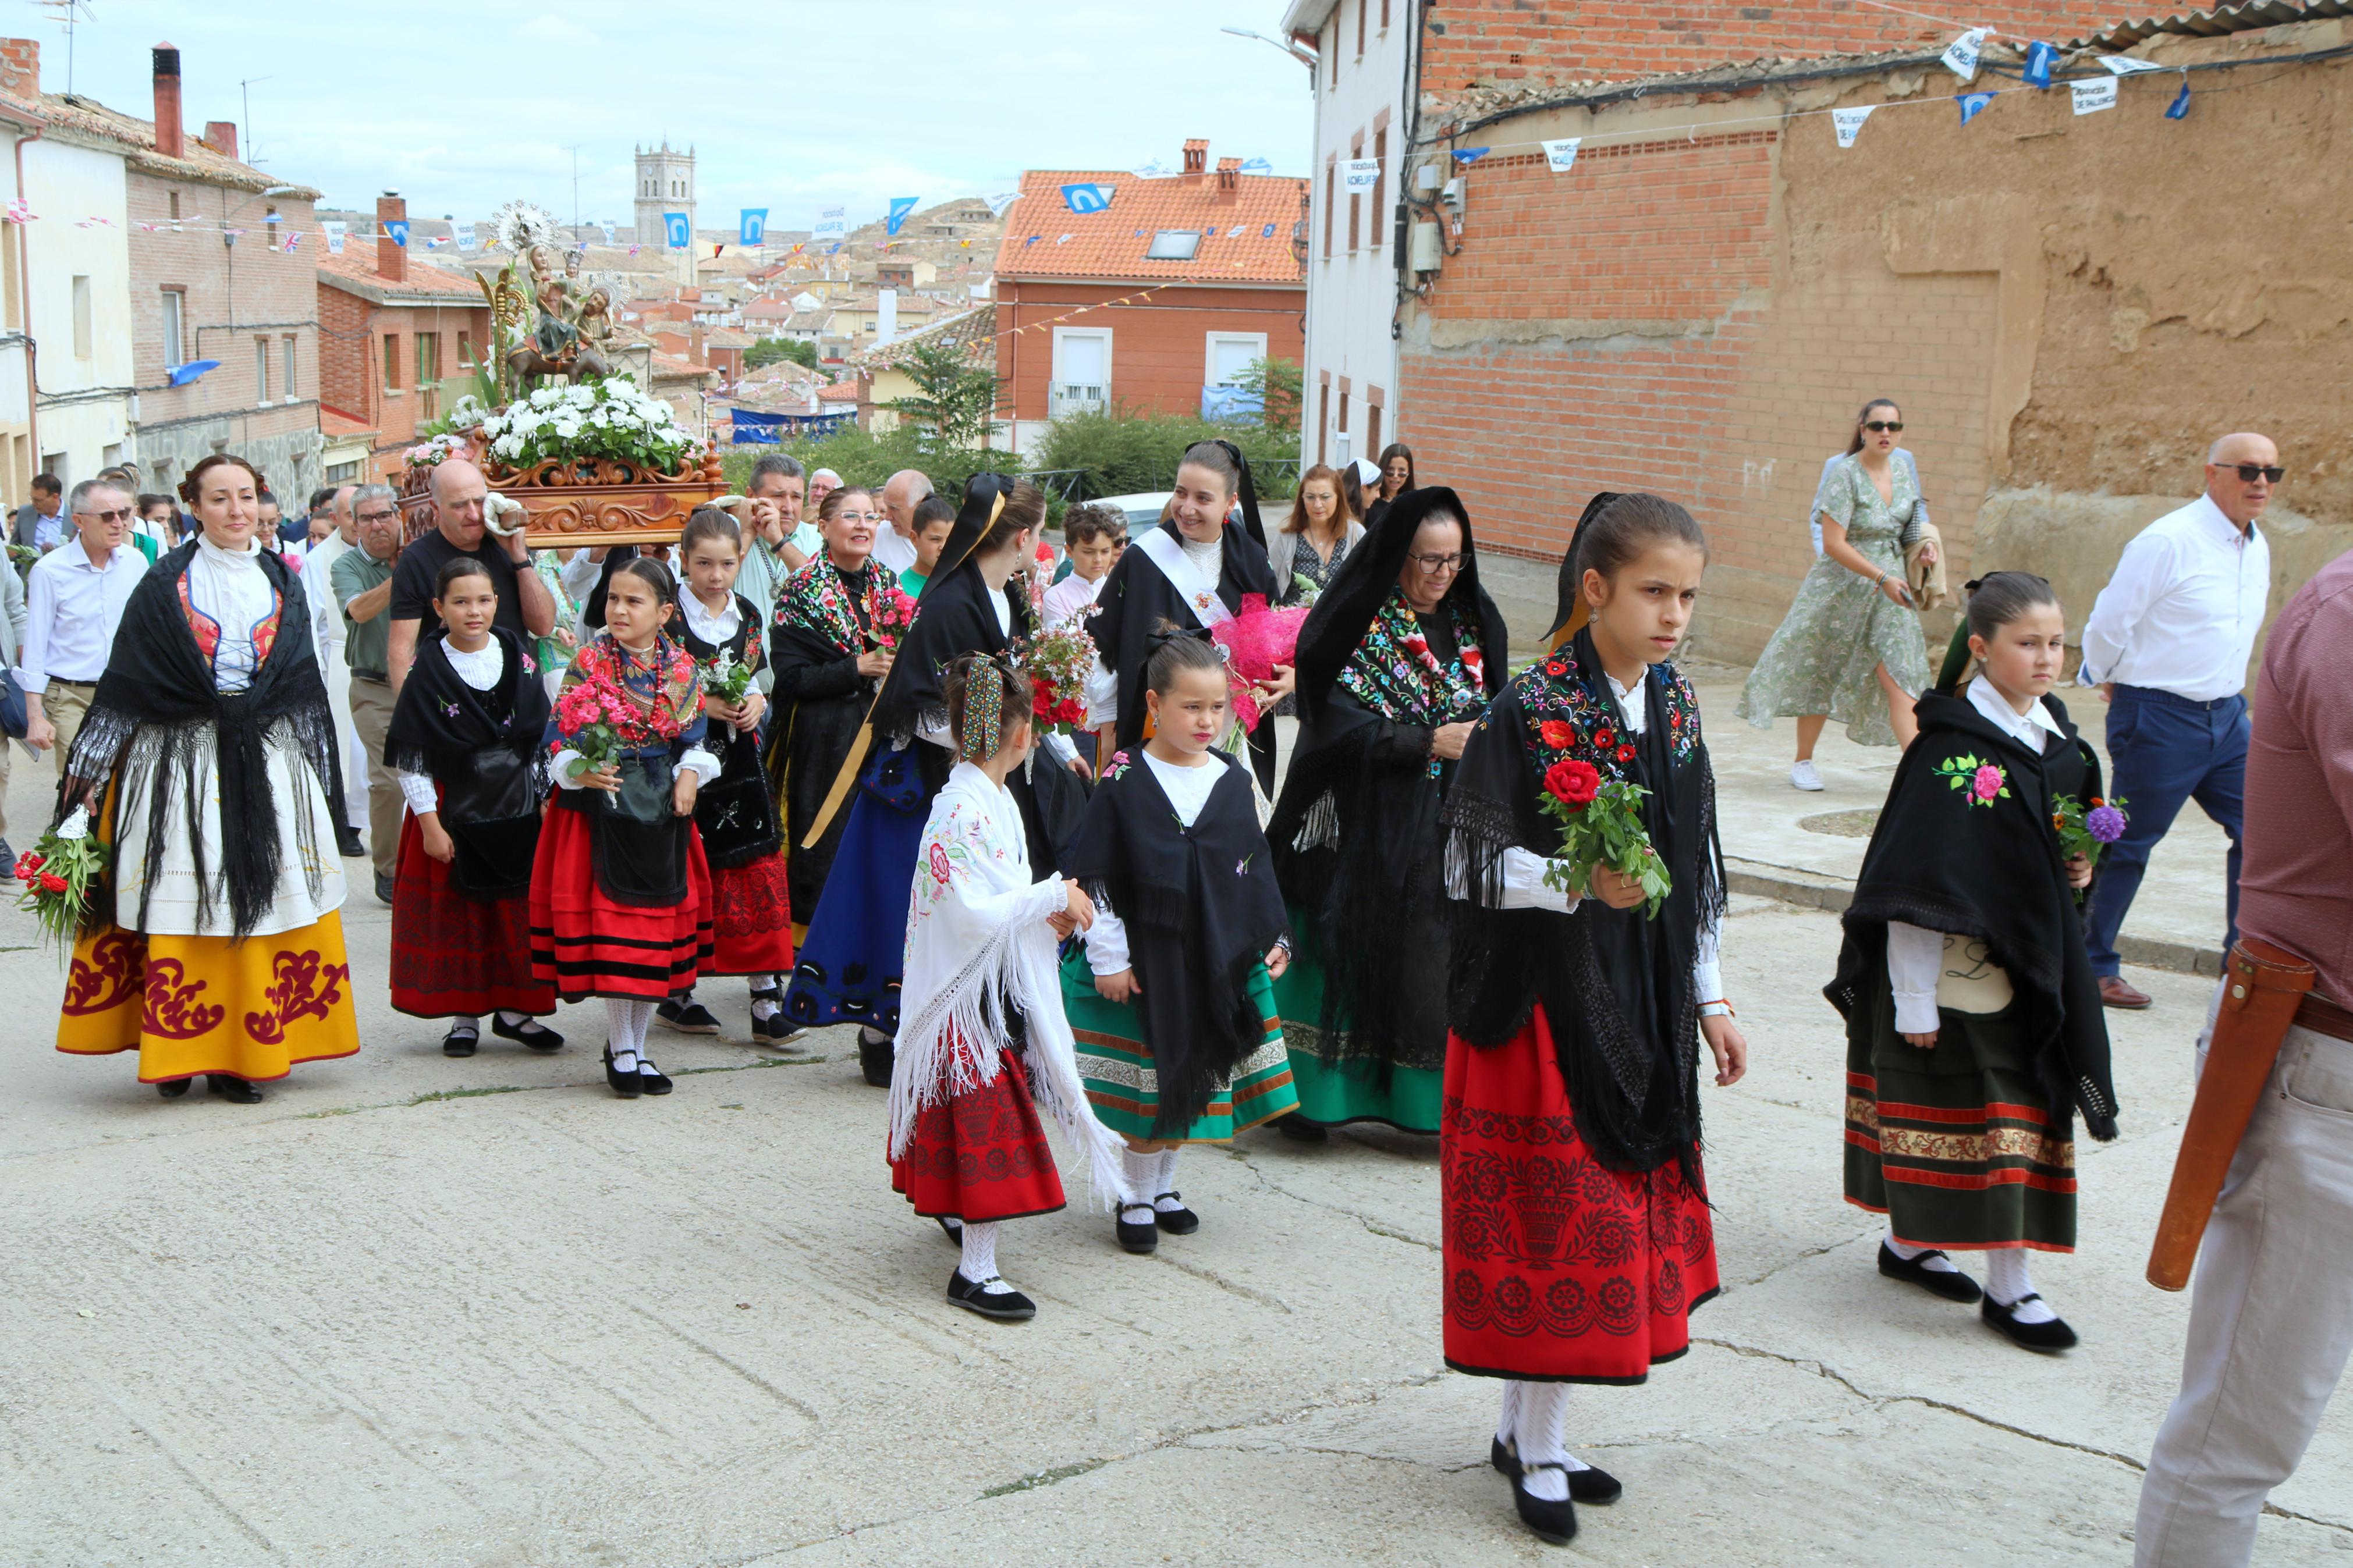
[
  {"x": 1254, "y": 642},
  {"x": 894, "y": 612},
  {"x": 1058, "y": 662},
  {"x": 597, "y": 720},
  {"x": 1600, "y": 825},
  {"x": 57, "y": 873}
]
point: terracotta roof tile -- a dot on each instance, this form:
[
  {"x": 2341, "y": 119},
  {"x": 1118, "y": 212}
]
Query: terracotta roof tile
[
  {"x": 840, "y": 392},
  {"x": 1110, "y": 244},
  {"x": 91, "y": 118},
  {"x": 424, "y": 282}
]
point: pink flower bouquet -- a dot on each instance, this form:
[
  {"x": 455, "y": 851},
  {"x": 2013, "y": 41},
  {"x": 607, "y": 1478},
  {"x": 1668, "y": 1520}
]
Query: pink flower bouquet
[{"x": 1254, "y": 642}]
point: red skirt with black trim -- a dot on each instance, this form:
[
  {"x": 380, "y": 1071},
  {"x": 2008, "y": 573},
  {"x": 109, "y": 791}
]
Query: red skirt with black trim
[
  {"x": 981, "y": 1155},
  {"x": 586, "y": 944},
  {"x": 752, "y": 909},
  {"x": 1557, "y": 1269},
  {"x": 453, "y": 953}
]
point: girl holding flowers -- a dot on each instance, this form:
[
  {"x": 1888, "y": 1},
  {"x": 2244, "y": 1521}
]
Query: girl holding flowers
[
  {"x": 620, "y": 893},
  {"x": 750, "y": 905},
  {"x": 1973, "y": 1019},
  {"x": 1577, "y": 1225}
]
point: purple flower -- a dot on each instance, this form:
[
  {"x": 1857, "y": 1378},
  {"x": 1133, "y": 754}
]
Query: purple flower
[{"x": 2105, "y": 823}]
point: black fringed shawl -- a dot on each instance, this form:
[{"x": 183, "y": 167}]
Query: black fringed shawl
[
  {"x": 483, "y": 749},
  {"x": 1950, "y": 856},
  {"x": 1205, "y": 892},
  {"x": 157, "y": 705},
  {"x": 1616, "y": 985},
  {"x": 736, "y": 812}
]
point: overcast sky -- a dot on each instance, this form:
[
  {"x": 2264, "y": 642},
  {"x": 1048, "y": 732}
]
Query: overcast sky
[{"x": 790, "y": 106}]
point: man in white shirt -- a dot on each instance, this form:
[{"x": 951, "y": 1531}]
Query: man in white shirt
[
  {"x": 342, "y": 535},
  {"x": 2167, "y": 644},
  {"x": 895, "y": 546},
  {"x": 74, "y": 602}
]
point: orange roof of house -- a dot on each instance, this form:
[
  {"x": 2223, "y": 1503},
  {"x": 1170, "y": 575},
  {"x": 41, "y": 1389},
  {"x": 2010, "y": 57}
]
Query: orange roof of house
[
  {"x": 354, "y": 271},
  {"x": 1245, "y": 234},
  {"x": 840, "y": 392},
  {"x": 670, "y": 366},
  {"x": 337, "y": 425}
]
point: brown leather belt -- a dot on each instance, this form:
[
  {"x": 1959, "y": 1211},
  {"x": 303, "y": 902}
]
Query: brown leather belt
[{"x": 2322, "y": 1016}]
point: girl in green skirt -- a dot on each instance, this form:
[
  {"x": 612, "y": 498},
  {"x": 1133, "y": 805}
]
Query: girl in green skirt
[{"x": 1172, "y": 1000}]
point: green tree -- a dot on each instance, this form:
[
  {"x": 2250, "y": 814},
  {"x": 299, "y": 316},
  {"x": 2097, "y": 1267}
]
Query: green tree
[
  {"x": 954, "y": 398},
  {"x": 1280, "y": 385},
  {"x": 770, "y": 351}
]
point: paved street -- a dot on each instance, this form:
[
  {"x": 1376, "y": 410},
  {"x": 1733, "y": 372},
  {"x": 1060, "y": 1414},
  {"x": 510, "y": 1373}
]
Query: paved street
[{"x": 421, "y": 1311}]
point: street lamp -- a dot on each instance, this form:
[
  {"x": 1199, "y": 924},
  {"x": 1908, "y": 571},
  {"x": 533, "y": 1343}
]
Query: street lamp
[{"x": 1305, "y": 57}]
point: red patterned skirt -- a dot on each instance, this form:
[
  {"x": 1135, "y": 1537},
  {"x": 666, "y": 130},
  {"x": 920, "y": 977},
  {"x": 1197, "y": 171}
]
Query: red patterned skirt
[
  {"x": 452, "y": 953},
  {"x": 1557, "y": 1269},
  {"x": 586, "y": 944},
  {"x": 981, "y": 1155},
  {"x": 751, "y": 914}
]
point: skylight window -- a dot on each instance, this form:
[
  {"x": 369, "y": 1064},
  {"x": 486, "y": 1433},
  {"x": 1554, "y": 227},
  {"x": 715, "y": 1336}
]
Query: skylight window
[{"x": 1173, "y": 245}]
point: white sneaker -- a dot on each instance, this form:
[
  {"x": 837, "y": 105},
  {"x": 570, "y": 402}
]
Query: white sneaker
[{"x": 1802, "y": 776}]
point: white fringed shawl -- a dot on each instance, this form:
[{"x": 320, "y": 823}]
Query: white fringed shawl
[{"x": 976, "y": 940}]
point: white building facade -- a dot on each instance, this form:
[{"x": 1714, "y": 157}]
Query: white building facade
[
  {"x": 1364, "y": 52},
  {"x": 77, "y": 302}
]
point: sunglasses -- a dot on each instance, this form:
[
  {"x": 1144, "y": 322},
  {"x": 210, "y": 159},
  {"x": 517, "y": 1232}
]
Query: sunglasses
[
  {"x": 1892, "y": 426},
  {"x": 121, "y": 515},
  {"x": 2250, "y": 472}
]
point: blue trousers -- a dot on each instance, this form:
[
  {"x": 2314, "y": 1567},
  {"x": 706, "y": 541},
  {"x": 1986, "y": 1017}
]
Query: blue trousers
[{"x": 2164, "y": 750}]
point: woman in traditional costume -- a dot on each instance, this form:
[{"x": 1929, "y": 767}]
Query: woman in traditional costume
[
  {"x": 464, "y": 743},
  {"x": 620, "y": 893},
  {"x": 1974, "y": 1026},
  {"x": 1398, "y": 656},
  {"x": 849, "y": 968},
  {"x": 985, "y": 1043},
  {"x": 735, "y": 817},
  {"x": 1192, "y": 569},
  {"x": 822, "y": 648},
  {"x": 1172, "y": 1000},
  {"x": 1577, "y": 1233},
  {"x": 213, "y": 945}
]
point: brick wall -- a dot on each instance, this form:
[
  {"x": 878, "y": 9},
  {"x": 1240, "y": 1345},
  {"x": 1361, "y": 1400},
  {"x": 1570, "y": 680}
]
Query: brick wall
[
  {"x": 348, "y": 378},
  {"x": 1158, "y": 347},
  {"x": 1466, "y": 43}
]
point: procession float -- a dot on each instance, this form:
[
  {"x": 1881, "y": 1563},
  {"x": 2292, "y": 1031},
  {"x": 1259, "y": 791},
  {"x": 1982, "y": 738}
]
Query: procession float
[{"x": 591, "y": 458}]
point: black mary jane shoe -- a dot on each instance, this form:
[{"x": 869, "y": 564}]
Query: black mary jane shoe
[
  {"x": 1006, "y": 1305},
  {"x": 874, "y": 1060},
  {"x": 688, "y": 1017},
  {"x": 1142, "y": 1236},
  {"x": 460, "y": 1043},
  {"x": 173, "y": 1088},
  {"x": 1588, "y": 1485},
  {"x": 624, "y": 1084},
  {"x": 951, "y": 1228},
  {"x": 531, "y": 1032},
  {"x": 1178, "y": 1221},
  {"x": 2054, "y": 1335},
  {"x": 1951, "y": 1284},
  {"x": 1552, "y": 1522},
  {"x": 234, "y": 1089},
  {"x": 652, "y": 1079},
  {"x": 1299, "y": 1132}
]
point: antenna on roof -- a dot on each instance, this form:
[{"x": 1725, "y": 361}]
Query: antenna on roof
[
  {"x": 245, "y": 88},
  {"x": 68, "y": 12}
]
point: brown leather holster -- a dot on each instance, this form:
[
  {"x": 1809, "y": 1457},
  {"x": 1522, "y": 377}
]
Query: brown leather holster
[{"x": 2263, "y": 986}]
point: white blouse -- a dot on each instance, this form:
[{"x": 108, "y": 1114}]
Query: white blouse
[
  {"x": 712, "y": 628},
  {"x": 1188, "y": 789},
  {"x": 230, "y": 587},
  {"x": 480, "y": 670}
]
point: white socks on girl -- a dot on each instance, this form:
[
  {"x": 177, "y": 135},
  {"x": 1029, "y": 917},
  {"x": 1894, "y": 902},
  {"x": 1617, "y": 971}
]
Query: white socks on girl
[
  {"x": 1535, "y": 1417},
  {"x": 763, "y": 1008},
  {"x": 626, "y": 1022},
  {"x": 1937, "y": 1265},
  {"x": 979, "y": 1264},
  {"x": 2006, "y": 1281},
  {"x": 1164, "y": 1181}
]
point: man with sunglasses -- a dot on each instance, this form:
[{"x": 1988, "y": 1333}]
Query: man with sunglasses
[
  {"x": 74, "y": 602},
  {"x": 2167, "y": 644}
]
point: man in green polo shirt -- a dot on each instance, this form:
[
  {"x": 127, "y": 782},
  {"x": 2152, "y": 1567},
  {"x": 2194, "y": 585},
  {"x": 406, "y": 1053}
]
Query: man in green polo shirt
[{"x": 361, "y": 581}]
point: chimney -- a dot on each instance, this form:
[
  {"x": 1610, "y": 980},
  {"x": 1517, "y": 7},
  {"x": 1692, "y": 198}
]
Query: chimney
[
  {"x": 20, "y": 67},
  {"x": 170, "y": 138},
  {"x": 1196, "y": 160},
  {"x": 220, "y": 135},
  {"x": 1230, "y": 179},
  {"x": 391, "y": 258}
]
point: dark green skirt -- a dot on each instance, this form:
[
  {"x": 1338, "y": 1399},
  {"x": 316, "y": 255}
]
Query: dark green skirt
[
  {"x": 1951, "y": 1144},
  {"x": 1351, "y": 1088},
  {"x": 1115, "y": 1065}
]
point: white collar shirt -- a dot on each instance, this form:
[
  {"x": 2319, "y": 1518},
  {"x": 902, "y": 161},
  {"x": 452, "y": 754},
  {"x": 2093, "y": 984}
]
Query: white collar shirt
[
  {"x": 2028, "y": 729},
  {"x": 2182, "y": 610},
  {"x": 72, "y": 609}
]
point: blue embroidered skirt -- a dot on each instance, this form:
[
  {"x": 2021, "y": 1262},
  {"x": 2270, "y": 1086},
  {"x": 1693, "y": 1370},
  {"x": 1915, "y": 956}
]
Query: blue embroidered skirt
[{"x": 850, "y": 966}]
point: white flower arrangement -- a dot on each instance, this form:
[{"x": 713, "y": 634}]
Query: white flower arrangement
[{"x": 610, "y": 418}]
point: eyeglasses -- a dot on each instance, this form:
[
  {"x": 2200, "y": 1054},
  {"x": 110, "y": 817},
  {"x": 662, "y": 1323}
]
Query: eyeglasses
[
  {"x": 1431, "y": 565},
  {"x": 2250, "y": 472},
  {"x": 122, "y": 514},
  {"x": 846, "y": 515},
  {"x": 378, "y": 516},
  {"x": 1892, "y": 426}
]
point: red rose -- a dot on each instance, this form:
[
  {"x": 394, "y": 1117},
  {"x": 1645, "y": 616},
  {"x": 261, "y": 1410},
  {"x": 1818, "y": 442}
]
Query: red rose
[
  {"x": 29, "y": 867},
  {"x": 1557, "y": 734},
  {"x": 1605, "y": 737},
  {"x": 1574, "y": 781},
  {"x": 1625, "y": 754},
  {"x": 52, "y": 883}
]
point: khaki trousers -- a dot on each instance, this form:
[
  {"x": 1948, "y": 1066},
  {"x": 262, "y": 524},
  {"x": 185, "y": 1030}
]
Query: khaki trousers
[
  {"x": 2269, "y": 1328},
  {"x": 67, "y": 702},
  {"x": 372, "y": 716}
]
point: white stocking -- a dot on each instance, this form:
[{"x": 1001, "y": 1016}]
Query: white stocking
[
  {"x": 979, "y": 1264},
  {"x": 625, "y": 1021},
  {"x": 764, "y": 1007},
  {"x": 1908, "y": 1253},
  {"x": 465, "y": 1024},
  {"x": 1163, "y": 1181},
  {"x": 1508, "y": 1423},
  {"x": 2007, "y": 1280},
  {"x": 1543, "y": 1417},
  {"x": 1142, "y": 1170}
]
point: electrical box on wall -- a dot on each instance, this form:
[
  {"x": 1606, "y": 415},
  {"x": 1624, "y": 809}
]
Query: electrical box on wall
[{"x": 1423, "y": 252}]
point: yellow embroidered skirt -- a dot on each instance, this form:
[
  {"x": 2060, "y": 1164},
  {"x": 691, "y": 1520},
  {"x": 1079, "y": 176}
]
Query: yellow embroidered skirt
[{"x": 191, "y": 1004}]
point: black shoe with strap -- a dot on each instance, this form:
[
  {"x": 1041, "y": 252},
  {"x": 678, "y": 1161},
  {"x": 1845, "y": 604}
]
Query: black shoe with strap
[
  {"x": 460, "y": 1042},
  {"x": 1950, "y": 1283},
  {"x": 1138, "y": 1236},
  {"x": 2050, "y": 1335},
  {"x": 1588, "y": 1485},
  {"x": 529, "y": 1032},
  {"x": 652, "y": 1079},
  {"x": 624, "y": 1084},
  {"x": 1552, "y": 1522},
  {"x": 685, "y": 1015},
  {"x": 1007, "y": 1305},
  {"x": 1178, "y": 1221}
]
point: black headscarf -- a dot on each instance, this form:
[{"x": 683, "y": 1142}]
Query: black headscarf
[
  {"x": 1368, "y": 574},
  {"x": 157, "y": 705},
  {"x": 952, "y": 617},
  {"x": 1246, "y": 487},
  {"x": 1570, "y": 611}
]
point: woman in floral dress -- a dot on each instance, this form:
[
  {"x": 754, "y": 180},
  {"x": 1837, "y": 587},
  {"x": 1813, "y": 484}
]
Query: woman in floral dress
[{"x": 1851, "y": 645}]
